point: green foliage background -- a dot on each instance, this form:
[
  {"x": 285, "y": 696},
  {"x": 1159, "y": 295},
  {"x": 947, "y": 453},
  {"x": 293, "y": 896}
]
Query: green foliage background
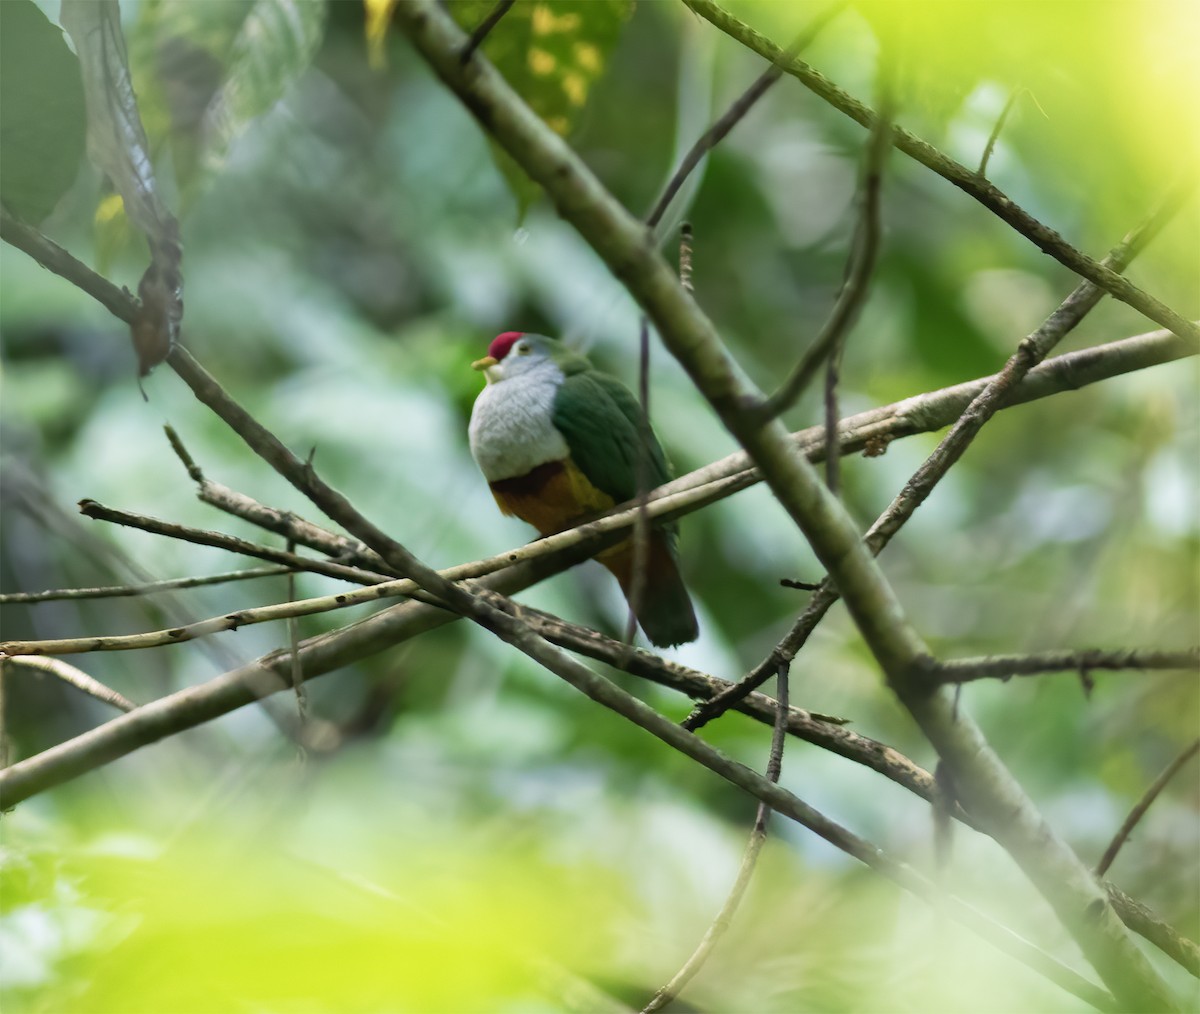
[{"x": 469, "y": 827}]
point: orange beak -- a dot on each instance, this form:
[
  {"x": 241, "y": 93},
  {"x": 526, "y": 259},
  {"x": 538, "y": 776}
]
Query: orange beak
[{"x": 484, "y": 363}]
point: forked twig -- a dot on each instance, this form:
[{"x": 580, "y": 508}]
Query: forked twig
[
  {"x": 990, "y": 196},
  {"x": 475, "y": 40},
  {"x": 734, "y": 114},
  {"x": 983, "y": 405}
]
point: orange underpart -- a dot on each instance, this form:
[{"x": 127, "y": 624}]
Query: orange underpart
[
  {"x": 555, "y": 496},
  {"x": 551, "y": 497}
]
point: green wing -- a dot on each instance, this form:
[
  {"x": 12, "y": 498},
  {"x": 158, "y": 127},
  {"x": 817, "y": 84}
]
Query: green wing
[{"x": 601, "y": 421}]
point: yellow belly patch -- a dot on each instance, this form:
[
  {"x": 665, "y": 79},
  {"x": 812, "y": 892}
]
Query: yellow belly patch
[{"x": 552, "y": 497}]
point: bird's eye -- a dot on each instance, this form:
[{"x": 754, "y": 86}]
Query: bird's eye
[{"x": 522, "y": 349}]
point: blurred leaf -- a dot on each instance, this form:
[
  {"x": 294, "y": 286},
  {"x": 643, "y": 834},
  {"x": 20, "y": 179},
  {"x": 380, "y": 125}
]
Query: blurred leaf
[
  {"x": 116, "y": 140},
  {"x": 211, "y": 68},
  {"x": 273, "y": 47},
  {"x": 213, "y": 924},
  {"x": 117, "y": 144},
  {"x": 42, "y": 117},
  {"x": 551, "y": 54}
]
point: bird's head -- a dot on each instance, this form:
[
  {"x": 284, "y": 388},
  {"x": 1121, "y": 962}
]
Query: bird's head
[{"x": 514, "y": 353}]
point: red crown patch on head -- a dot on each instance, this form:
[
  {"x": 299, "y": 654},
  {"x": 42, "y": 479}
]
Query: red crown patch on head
[{"x": 502, "y": 343}]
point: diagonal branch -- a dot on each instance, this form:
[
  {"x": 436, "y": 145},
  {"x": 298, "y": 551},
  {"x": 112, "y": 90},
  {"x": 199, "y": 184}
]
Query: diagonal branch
[
  {"x": 967, "y": 180},
  {"x": 1143, "y": 804},
  {"x": 988, "y": 787},
  {"x": 230, "y": 543},
  {"x": 864, "y": 253},
  {"x": 997, "y": 393},
  {"x": 736, "y": 112},
  {"x": 75, "y": 677}
]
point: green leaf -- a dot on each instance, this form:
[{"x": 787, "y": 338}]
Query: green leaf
[
  {"x": 117, "y": 144},
  {"x": 274, "y": 46},
  {"x": 43, "y": 122},
  {"x": 551, "y": 54},
  {"x": 211, "y": 68}
]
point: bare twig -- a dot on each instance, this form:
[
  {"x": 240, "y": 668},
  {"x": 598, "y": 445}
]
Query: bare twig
[
  {"x": 641, "y": 524},
  {"x": 997, "y": 202},
  {"x": 987, "y": 786},
  {"x": 622, "y": 242},
  {"x": 998, "y": 392},
  {"x": 864, "y": 254},
  {"x": 285, "y": 523},
  {"x": 5, "y": 745},
  {"x": 922, "y": 413},
  {"x": 198, "y": 704},
  {"x": 1143, "y": 805},
  {"x": 149, "y": 588},
  {"x": 475, "y": 40},
  {"x": 995, "y": 134},
  {"x": 230, "y": 543},
  {"x": 293, "y": 633},
  {"x": 70, "y": 674},
  {"x": 733, "y": 115},
  {"x": 758, "y": 837},
  {"x": 292, "y": 527},
  {"x": 965, "y": 670}
]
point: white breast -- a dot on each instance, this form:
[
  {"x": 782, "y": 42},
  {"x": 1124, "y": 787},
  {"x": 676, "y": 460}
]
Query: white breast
[{"x": 511, "y": 432}]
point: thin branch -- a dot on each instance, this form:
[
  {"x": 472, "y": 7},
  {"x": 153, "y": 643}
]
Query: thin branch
[
  {"x": 998, "y": 392},
  {"x": 641, "y": 524},
  {"x": 965, "y": 670},
  {"x": 872, "y": 429},
  {"x": 1143, "y": 805},
  {"x": 864, "y": 254},
  {"x": 733, "y": 115},
  {"x": 758, "y": 837},
  {"x": 230, "y": 543},
  {"x": 149, "y": 588},
  {"x": 608, "y": 694},
  {"x": 330, "y": 652},
  {"x": 292, "y": 527},
  {"x": 70, "y": 674},
  {"x": 620, "y": 242},
  {"x": 484, "y": 27},
  {"x": 293, "y": 634},
  {"x": 994, "y": 136},
  {"x": 997, "y": 202},
  {"x": 288, "y": 610},
  {"x": 987, "y": 786},
  {"x": 5, "y": 741},
  {"x": 285, "y": 523}
]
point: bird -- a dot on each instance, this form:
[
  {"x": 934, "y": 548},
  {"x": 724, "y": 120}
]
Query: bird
[{"x": 557, "y": 441}]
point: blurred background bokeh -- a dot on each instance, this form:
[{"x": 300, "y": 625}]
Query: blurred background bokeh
[{"x": 472, "y": 828}]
